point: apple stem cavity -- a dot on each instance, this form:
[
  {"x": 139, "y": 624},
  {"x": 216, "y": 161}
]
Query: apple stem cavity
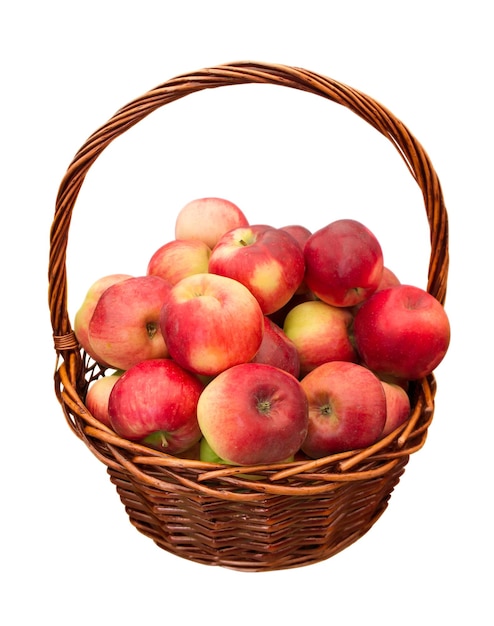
[
  {"x": 152, "y": 329},
  {"x": 263, "y": 406},
  {"x": 157, "y": 439}
]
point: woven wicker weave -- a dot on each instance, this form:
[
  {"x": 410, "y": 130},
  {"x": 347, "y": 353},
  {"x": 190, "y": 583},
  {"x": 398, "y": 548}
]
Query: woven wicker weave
[{"x": 295, "y": 514}]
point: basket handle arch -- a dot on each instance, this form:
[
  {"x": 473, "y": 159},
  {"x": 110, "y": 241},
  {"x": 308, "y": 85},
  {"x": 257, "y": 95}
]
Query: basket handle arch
[{"x": 242, "y": 72}]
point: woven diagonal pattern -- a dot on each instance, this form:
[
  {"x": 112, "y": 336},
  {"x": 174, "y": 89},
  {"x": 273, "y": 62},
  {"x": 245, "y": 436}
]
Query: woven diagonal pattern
[{"x": 265, "y": 517}]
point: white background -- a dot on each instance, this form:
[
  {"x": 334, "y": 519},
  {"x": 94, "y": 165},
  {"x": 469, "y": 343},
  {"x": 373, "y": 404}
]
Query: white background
[{"x": 68, "y": 553}]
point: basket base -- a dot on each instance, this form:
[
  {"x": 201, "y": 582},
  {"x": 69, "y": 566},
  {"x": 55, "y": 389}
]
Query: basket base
[{"x": 275, "y": 533}]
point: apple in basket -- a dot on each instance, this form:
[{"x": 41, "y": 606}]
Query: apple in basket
[
  {"x": 402, "y": 331},
  {"x": 210, "y": 323},
  {"x": 347, "y": 408},
  {"x": 253, "y": 413},
  {"x": 155, "y": 403},
  {"x": 321, "y": 333},
  {"x": 124, "y": 328},
  {"x": 267, "y": 260},
  {"x": 344, "y": 263},
  {"x": 179, "y": 258},
  {"x": 208, "y": 219},
  {"x": 277, "y": 349},
  {"x": 85, "y": 311},
  {"x": 397, "y": 406},
  {"x": 98, "y": 395}
]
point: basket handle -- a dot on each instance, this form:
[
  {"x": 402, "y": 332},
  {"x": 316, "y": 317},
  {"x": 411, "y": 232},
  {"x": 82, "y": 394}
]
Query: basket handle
[{"x": 242, "y": 72}]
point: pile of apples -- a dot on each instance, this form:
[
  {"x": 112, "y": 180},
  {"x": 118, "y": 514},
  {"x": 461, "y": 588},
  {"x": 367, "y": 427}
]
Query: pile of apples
[{"x": 251, "y": 344}]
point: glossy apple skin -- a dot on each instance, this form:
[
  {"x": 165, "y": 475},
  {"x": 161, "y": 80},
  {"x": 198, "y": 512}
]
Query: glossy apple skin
[
  {"x": 321, "y": 333},
  {"x": 347, "y": 408},
  {"x": 124, "y": 328},
  {"x": 179, "y": 258},
  {"x": 98, "y": 395},
  {"x": 344, "y": 263},
  {"x": 253, "y": 413},
  {"x": 267, "y": 260},
  {"x": 208, "y": 219},
  {"x": 397, "y": 406},
  {"x": 402, "y": 331},
  {"x": 210, "y": 323},
  {"x": 388, "y": 279},
  {"x": 300, "y": 234},
  {"x": 155, "y": 402},
  {"x": 85, "y": 311},
  {"x": 278, "y": 350}
]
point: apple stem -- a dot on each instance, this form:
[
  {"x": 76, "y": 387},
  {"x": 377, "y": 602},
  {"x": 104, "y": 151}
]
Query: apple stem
[{"x": 152, "y": 329}]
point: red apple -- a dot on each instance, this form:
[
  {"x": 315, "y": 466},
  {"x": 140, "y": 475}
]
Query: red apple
[
  {"x": 397, "y": 406},
  {"x": 253, "y": 413},
  {"x": 210, "y": 323},
  {"x": 208, "y": 219},
  {"x": 321, "y": 333},
  {"x": 98, "y": 394},
  {"x": 347, "y": 408},
  {"x": 402, "y": 331},
  {"x": 277, "y": 349},
  {"x": 85, "y": 311},
  {"x": 179, "y": 258},
  {"x": 267, "y": 260},
  {"x": 124, "y": 328},
  {"x": 300, "y": 234},
  {"x": 155, "y": 403},
  {"x": 388, "y": 279},
  {"x": 344, "y": 263}
]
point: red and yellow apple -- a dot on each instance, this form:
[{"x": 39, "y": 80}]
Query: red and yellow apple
[
  {"x": 155, "y": 403},
  {"x": 179, "y": 258},
  {"x": 253, "y": 413},
  {"x": 207, "y": 219},
  {"x": 277, "y": 349},
  {"x": 210, "y": 323},
  {"x": 321, "y": 333},
  {"x": 98, "y": 394},
  {"x": 85, "y": 312},
  {"x": 267, "y": 260},
  {"x": 344, "y": 263},
  {"x": 402, "y": 331},
  {"x": 397, "y": 406},
  {"x": 124, "y": 328},
  {"x": 347, "y": 408}
]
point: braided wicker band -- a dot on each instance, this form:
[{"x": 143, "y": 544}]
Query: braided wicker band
[{"x": 289, "y": 515}]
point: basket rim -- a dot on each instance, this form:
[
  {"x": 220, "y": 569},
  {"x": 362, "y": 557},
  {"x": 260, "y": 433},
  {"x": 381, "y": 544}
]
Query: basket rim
[{"x": 72, "y": 365}]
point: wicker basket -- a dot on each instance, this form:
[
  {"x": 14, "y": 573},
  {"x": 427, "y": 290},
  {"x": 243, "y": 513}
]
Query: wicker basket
[{"x": 298, "y": 513}]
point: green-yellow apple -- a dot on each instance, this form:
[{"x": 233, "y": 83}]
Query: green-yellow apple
[
  {"x": 397, "y": 406},
  {"x": 321, "y": 332},
  {"x": 208, "y": 219},
  {"x": 267, "y": 260},
  {"x": 179, "y": 258},
  {"x": 344, "y": 263},
  {"x": 277, "y": 349},
  {"x": 253, "y": 413},
  {"x": 98, "y": 394},
  {"x": 347, "y": 408},
  {"x": 210, "y": 323},
  {"x": 402, "y": 331},
  {"x": 85, "y": 311},
  {"x": 124, "y": 328},
  {"x": 155, "y": 402}
]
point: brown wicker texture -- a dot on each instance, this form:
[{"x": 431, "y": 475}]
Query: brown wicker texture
[{"x": 294, "y": 514}]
